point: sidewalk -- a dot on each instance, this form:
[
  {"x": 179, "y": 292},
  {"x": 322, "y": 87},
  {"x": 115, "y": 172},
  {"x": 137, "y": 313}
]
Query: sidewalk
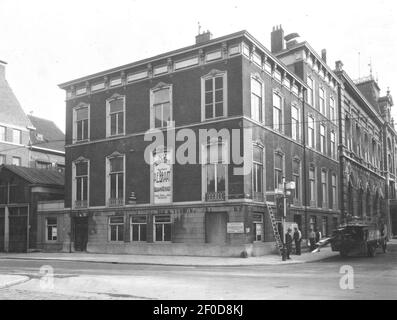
[
  {"x": 11, "y": 280},
  {"x": 173, "y": 260}
]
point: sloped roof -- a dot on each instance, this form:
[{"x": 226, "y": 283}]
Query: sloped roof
[
  {"x": 37, "y": 176},
  {"x": 54, "y": 138},
  {"x": 11, "y": 111}
]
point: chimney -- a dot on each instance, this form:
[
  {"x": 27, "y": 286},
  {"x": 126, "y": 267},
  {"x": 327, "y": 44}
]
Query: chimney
[
  {"x": 277, "y": 39},
  {"x": 203, "y": 37},
  {"x": 338, "y": 65},
  {"x": 324, "y": 55},
  {"x": 2, "y": 70}
]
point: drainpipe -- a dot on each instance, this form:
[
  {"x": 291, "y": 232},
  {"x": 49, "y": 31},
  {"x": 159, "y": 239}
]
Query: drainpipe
[
  {"x": 304, "y": 161},
  {"x": 341, "y": 171}
]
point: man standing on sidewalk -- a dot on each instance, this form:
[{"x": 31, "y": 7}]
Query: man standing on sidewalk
[
  {"x": 297, "y": 240},
  {"x": 288, "y": 242}
]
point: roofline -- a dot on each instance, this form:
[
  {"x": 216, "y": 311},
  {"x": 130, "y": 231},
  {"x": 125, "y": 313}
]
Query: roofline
[
  {"x": 353, "y": 85},
  {"x": 9, "y": 168},
  {"x": 3, "y": 62},
  {"x": 47, "y": 149},
  {"x": 242, "y": 33},
  {"x": 306, "y": 44},
  {"x": 157, "y": 57}
]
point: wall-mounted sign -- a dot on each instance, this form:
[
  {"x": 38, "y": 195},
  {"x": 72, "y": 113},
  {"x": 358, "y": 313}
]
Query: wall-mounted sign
[
  {"x": 162, "y": 183},
  {"x": 235, "y": 227}
]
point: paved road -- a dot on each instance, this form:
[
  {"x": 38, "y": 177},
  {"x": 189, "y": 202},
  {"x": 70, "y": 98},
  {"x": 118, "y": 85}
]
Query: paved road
[{"x": 374, "y": 278}]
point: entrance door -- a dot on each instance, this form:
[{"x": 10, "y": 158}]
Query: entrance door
[
  {"x": 80, "y": 233},
  {"x": 216, "y": 227},
  {"x": 18, "y": 234}
]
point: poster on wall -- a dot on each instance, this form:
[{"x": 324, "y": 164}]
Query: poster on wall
[{"x": 162, "y": 188}]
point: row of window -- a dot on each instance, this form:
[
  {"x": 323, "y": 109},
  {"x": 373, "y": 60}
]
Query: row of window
[
  {"x": 15, "y": 136},
  {"x": 213, "y": 106},
  {"x": 15, "y": 160},
  {"x": 138, "y": 228},
  {"x": 322, "y": 104}
]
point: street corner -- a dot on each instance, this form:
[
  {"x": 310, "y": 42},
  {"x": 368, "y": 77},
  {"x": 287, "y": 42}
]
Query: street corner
[{"x": 11, "y": 280}]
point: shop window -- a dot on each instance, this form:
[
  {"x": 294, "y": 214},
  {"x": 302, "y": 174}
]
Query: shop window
[
  {"x": 52, "y": 229},
  {"x": 138, "y": 228},
  {"x": 116, "y": 228},
  {"x": 162, "y": 228}
]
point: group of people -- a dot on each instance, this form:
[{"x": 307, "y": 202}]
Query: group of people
[{"x": 296, "y": 237}]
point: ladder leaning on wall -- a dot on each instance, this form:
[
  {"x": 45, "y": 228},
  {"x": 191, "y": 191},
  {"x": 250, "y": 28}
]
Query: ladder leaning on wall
[{"x": 276, "y": 234}]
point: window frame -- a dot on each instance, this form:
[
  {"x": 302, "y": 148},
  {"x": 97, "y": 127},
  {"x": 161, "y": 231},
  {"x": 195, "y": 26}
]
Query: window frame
[
  {"x": 162, "y": 229},
  {"x": 334, "y": 188},
  {"x": 139, "y": 224},
  {"x": 75, "y": 138},
  {"x": 74, "y": 183},
  {"x": 206, "y": 164},
  {"x": 311, "y": 91},
  {"x": 52, "y": 225},
  {"x": 109, "y": 114},
  {"x": 281, "y": 112},
  {"x": 19, "y": 159},
  {"x": 323, "y": 138},
  {"x": 120, "y": 201},
  {"x": 3, "y": 137},
  {"x": 321, "y": 100},
  {"x": 324, "y": 188},
  {"x": 297, "y": 195},
  {"x": 117, "y": 224},
  {"x": 212, "y": 75},
  {"x": 258, "y": 165},
  {"x": 159, "y": 87},
  {"x": 19, "y": 137},
  {"x": 295, "y": 106},
  {"x": 312, "y": 192},
  {"x": 313, "y": 133},
  {"x": 262, "y": 99},
  {"x": 279, "y": 170}
]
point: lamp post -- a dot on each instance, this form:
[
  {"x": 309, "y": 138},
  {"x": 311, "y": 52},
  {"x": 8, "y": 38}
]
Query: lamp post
[{"x": 286, "y": 192}]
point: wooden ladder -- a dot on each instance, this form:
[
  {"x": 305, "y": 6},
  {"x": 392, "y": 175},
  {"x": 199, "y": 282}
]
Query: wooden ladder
[{"x": 276, "y": 234}]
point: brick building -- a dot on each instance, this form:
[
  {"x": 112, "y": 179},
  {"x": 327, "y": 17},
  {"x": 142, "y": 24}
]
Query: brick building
[
  {"x": 115, "y": 201},
  {"x": 320, "y": 208}
]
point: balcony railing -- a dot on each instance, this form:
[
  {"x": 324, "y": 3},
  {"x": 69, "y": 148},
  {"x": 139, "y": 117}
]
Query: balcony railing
[
  {"x": 81, "y": 204},
  {"x": 115, "y": 202},
  {"x": 215, "y": 196}
]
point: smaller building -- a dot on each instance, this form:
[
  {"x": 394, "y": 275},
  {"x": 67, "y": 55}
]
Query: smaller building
[
  {"x": 21, "y": 189},
  {"x": 47, "y": 145}
]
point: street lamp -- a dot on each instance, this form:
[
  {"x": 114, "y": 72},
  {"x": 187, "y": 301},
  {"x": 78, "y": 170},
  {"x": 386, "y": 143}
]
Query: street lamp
[{"x": 287, "y": 187}]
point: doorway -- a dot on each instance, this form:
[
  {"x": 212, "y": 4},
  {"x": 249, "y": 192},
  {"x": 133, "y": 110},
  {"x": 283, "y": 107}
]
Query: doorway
[
  {"x": 80, "y": 233},
  {"x": 216, "y": 227}
]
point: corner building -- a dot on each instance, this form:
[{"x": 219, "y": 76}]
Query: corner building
[
  {"x": 319, "y": 209},
  {"x": 116, "y": 202}
]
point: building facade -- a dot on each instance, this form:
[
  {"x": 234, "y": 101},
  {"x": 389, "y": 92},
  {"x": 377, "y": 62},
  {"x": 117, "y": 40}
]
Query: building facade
[
  {"x": 21, "y": 189},
  {"x": 26, "y": 140},
  {"x": 320, "y": 209},
  {"x": 118, "y": 202},
  {"x": 363, "y": 172}
]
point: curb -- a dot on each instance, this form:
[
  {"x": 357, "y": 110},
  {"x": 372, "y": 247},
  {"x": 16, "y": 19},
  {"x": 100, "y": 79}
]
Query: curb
[
  {"x": 14, "y": 282},
  {"x": 165, "y": 264}
]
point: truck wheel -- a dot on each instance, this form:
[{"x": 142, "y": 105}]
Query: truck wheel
[{"x": 371, "y": 250}]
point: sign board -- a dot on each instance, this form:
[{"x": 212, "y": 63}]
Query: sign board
[
  {"x": 235, "y": 227},
  {"x": 54, "y": 232},
  {"x": 290, "y": 185},
  {"x": 162, "y": 179}
]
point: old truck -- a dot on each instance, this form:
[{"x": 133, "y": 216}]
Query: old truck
[{"x": 358, "y": 238}]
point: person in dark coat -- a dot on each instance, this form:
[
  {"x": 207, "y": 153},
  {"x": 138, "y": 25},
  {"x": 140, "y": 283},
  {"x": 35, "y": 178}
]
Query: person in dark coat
[
  {"x": 288, "y": 242},
  {"x": 312, "y": 240},
  {"x": 297, "y": 240}
]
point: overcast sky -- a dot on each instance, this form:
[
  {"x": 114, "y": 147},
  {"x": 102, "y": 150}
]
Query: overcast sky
[{"x": 49, "y": 42}]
